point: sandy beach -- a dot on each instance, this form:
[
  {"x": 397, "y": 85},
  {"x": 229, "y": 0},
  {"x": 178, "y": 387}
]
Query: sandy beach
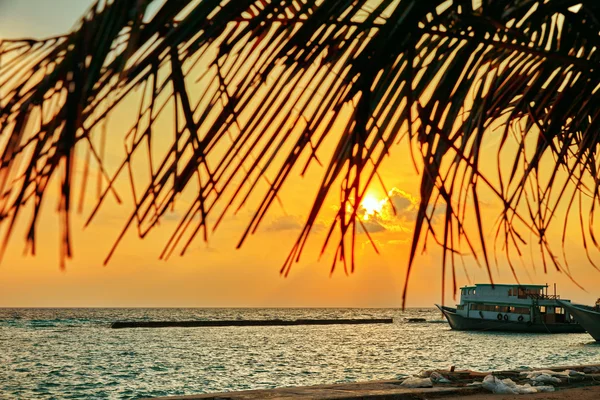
[
  {"x": 580, "y": 382},
  {"x": 368, "y": 391},
  {"x": 581, "y": 393}
]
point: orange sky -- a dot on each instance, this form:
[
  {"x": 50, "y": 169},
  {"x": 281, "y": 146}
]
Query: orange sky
[{"x": 217, "y": 275}]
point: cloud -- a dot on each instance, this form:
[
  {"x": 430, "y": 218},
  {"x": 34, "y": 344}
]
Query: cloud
[
  {"x": 293, "y": 223},
  {"x": 404, "y": 203},
  {"x": 370, "y": 226},
  {"x": 171, "y": 216},
  {"x": 395, "y": 214},
  {"x": 285, "y": 223}
]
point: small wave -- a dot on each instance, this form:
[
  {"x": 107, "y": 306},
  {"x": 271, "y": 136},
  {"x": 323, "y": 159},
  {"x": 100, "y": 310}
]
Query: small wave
[
  {"x": 42, "y": 324},
  {"x": 53, "y": 323},
  {"x": 424, "y": 321}
]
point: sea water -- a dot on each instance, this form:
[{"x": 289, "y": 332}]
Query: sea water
[{"x": 73, "y": 353}]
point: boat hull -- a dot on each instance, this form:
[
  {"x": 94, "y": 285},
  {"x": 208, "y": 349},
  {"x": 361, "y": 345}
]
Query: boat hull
[
  {"x": 586, "y": 317},
  {"x": 461, "y": 323}
]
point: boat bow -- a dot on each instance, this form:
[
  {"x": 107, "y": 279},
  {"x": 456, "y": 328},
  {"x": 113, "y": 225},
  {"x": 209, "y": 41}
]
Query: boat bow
[{"x": 587, "y": 317}]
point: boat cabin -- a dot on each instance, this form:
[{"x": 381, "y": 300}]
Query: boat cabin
[{"x": 512, "y": 302}]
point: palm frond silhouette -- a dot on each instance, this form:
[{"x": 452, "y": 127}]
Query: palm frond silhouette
[{"x": 276, "y": 77}]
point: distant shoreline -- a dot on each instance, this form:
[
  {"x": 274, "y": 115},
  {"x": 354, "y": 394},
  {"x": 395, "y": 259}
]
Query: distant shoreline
[{"x": 254, "y": 322}]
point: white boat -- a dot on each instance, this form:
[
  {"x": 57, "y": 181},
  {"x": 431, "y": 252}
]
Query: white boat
[
  {"x": 512, "y": 308},
  {"x": 587, "y": 316}
]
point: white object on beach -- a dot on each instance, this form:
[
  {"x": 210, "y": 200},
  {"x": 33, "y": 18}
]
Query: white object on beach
[
  {"x": 541, "y": 389},
  {"x": 414, "y": 382},
  {"x": 436, "y": 377},
  {"x": 545, "y": 378},
  {"x": 508, "y": 386},
  {"x": 566, "y": 374},
  {"x": 497, "y": 386},
  {"x": 533, "y": 374},
  {"x": 522, "y": 389}
]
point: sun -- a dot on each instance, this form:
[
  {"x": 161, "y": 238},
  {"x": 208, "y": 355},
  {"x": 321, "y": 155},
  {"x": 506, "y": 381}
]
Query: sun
[{"x": 371, "y": 206}]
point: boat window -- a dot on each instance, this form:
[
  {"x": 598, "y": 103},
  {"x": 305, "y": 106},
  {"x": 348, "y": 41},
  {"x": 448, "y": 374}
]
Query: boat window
[
  {"x": 524, "y": 293},
  {"x": 543, "y": 309},
  {"x": 521, "y": 310},
  {"x": 559, "y": 310},
  {"x": 478, "y": 307},
  {"x": 473, "y": 291},
  {"x": 497, "y": 308},
  {"x": 510, "y": 292}
]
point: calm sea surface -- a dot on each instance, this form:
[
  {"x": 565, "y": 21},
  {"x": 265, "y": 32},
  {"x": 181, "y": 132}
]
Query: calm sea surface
[{"x": 72, "y": 353}]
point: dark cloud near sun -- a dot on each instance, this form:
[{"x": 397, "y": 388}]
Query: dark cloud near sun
[{"x": 404, "y": 203}]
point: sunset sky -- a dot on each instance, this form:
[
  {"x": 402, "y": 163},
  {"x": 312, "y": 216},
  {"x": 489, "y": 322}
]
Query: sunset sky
[{"x": 215, "y": 274}]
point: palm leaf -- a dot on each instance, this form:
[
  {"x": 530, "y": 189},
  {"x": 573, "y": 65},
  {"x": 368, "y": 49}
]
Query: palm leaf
[{"x": 449, "y": 75}]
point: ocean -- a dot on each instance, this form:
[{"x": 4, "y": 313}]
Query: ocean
[{"x": 73, "y": 353}]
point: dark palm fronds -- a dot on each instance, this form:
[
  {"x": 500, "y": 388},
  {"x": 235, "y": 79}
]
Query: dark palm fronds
[{"x": 278, "y": 77}]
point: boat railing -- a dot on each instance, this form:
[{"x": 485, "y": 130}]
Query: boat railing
[{"x": 543, "y": 296}]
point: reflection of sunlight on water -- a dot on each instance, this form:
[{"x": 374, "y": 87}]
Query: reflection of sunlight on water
[{"x": 58, "y": 353}]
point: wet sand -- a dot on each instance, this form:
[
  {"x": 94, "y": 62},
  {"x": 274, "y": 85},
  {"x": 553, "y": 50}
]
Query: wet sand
[
  {"x": 581, "y": 393},
  {"x": 378, "y": 390}
]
